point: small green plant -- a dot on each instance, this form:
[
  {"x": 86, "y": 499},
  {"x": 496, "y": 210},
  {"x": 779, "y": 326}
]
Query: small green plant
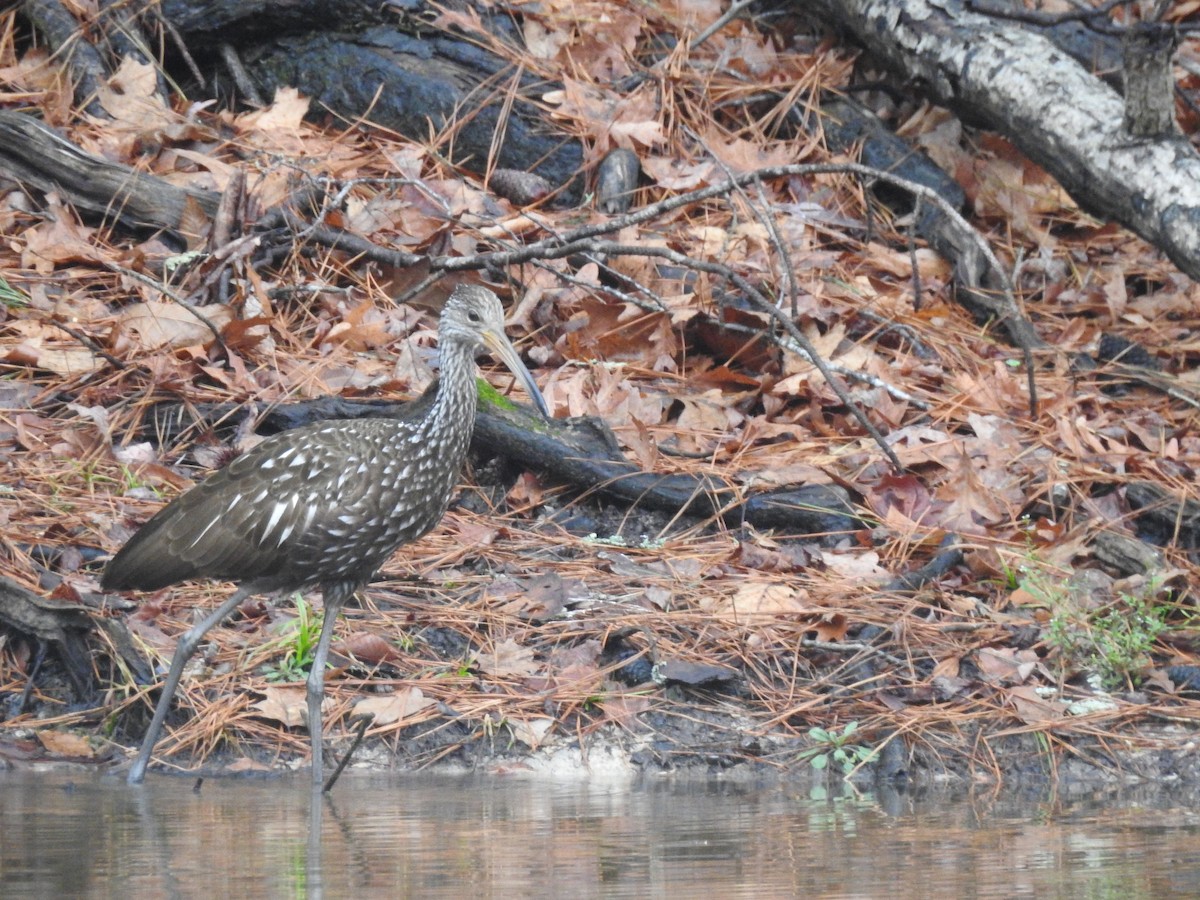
[
  {"x": 1012, "y": 575},
  {"x": 11, "y": 297},
  {"x": 130, "y": 480},
  {"x": 1112, "y": 642},
  {"x": 834, "y": 747},
  {"x": 301, "y": 635},
  {"x": 492, "y": 726},
  {"x": 96, "y": 475},
  {"x": 405, "y": 643}
]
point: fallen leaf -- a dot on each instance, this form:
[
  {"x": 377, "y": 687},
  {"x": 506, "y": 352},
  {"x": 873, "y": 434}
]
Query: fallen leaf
[
  {"x": 972, "y": 504},
  {"x": 831, "y": 627},
  {"x": 545, "y": 598},
  {"x": 1033, "y": 708},
  {"x": 130, "y": 96},
  {"x": 758, "y": 602},
  {"x": 947, "y": 668},
  {"x": 362, "y": 328},
  {"x": 61, "y": 239},
  {"x": 368, "y": 647},
  {"x": 946, "y": 686},
  {"x": 278, "y": 125},
  {"x": 169, "y": 324},
  {"x": 64, "y": 743},
  {"x": 508, "y": 658},
  {"x": 388, "y": 709},
  {"x": 287, "y": 705},
  {"x": 1005, "y": 665},
  {"x": 854, "y": 565},
  {"x": 624, "y": 708},
  {"x": 531, "y": 733},
  {"x": 68, "y": 362}
]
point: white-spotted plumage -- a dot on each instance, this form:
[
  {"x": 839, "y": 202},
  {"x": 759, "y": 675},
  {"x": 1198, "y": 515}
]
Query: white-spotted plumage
[{"x": 320, "y": 506}]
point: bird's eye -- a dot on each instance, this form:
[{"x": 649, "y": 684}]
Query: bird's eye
[{"x": 473, "y": 317}]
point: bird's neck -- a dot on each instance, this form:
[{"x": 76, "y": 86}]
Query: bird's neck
[{"x": 454, "y": 405}]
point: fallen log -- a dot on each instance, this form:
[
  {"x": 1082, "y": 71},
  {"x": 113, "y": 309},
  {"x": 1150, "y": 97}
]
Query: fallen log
[{"x": 1008, "y": 78}]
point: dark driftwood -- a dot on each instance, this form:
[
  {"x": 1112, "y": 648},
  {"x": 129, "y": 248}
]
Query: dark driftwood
[
  {"x": 1126, "y": 554},
  {"x": 33, "y": 155},
  {"x": 579, "y": 453},
  {"x": 1014, "y": 81},
  {"x": 69, "y": 630},
  {"x": 1164, "y": 518},
  {"x": 82, "y": 60},
  {"x": 62, "y": 626},
  {"x": 435, "y": 84},
  {"x": 362, "y": 62},
  {"x": 243, "y": 22},
  {"x": 359, "y": 61}
]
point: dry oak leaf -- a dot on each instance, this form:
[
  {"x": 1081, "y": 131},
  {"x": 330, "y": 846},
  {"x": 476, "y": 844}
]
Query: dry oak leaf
[
  {"x": 999, "y": 665},
  {"x": 531, "y": 733},
  {"x": 130, "y": 96},
  {"x": 67, "y": 363},
  {"x": 394, "y": 707},
  {"x": 973, "y": 505},
  {"x": 63, "y": 743},
  {"x": 287, "y": 705},
  {"x": 368, "y": 647},
  {"x": 1032, "y": 708},
  {"x": 286, "y": 111},
  {"x": 62, "y": 240},
  {"x": 508, "y": 658},
  {"x": 170, "y": 325},
  {"x": 759, "y": 602}
]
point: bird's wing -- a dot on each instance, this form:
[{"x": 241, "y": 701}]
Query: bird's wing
[{"x": 244, "y": 521}]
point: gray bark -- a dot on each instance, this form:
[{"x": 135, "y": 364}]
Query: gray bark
[{"x": 1009, "y": 79}]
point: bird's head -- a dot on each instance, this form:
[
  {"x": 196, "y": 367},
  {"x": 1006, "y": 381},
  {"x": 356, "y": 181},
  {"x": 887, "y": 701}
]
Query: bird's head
[{"x": 474, "y": 317}]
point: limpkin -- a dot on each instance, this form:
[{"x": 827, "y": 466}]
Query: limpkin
[{"x": 321, "y": 506}]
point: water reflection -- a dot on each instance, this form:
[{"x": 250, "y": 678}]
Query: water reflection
[{"x": 482, "y": 837}]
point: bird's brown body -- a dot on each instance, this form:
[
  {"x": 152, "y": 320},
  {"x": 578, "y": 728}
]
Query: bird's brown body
[{"x": 322, "y": 506}]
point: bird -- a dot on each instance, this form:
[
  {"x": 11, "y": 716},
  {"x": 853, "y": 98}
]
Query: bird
[{"x": 322, "y": 506}]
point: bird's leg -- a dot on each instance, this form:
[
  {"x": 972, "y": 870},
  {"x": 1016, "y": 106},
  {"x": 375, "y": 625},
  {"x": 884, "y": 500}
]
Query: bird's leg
[
  {"x": 183, "y": 652},
  {"x": 335, "y": 599}
]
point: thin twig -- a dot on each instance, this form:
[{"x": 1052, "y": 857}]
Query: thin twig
[
  {"x": 364, "y": 722},
  {"x": 732, "y": 13},
  {"x": 539, "y": 249},
  {"x": 754, "y": 295},
  {"x": 90, "y": 344},
  {"x": 174, "y": 297},
  {"x": 849, "y": 374},
  {"x": 337, "y": 239}
]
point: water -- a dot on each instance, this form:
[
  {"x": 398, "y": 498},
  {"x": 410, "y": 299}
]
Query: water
[{"x": 485, "y": 837}]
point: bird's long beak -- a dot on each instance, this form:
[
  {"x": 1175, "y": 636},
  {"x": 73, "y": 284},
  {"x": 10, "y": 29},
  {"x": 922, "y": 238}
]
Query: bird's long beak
[{"x": 500, "y": 345}]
